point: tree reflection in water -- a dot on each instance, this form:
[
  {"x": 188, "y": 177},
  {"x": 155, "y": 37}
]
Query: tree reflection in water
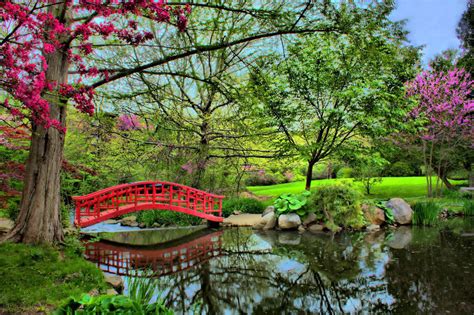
[{"x": 400, "y": 271}]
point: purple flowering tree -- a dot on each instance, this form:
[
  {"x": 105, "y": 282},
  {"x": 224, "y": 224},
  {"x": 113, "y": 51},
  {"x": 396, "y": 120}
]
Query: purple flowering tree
[
  {"x": 129, "y": 122},
  {"x": 443, "y": 116}
]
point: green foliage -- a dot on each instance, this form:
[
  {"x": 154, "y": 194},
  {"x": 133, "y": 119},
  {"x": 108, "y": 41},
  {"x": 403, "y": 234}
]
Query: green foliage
[
  {"x": 338, "y": 205},
  {"x": 389, "y": 218},
  {"x": 468, "y": 208},
  {"x": 105, "y": 304},
  {"x": 292, "y": 203},
  {"x": 344, "y": 172},
  {"x": 426, "y": 213},
  {"x": 166, "y": 218},
  {"x": 245, "y": 205},
  {"x": 399, "y": 169},
  {"x": 36, "y": 275},
  {"x": 368, "y": 169}
]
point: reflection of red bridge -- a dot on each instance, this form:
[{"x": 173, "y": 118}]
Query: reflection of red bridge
[
  {"x": 118, "y": 200},
  {"x": 129, "y": 261}
]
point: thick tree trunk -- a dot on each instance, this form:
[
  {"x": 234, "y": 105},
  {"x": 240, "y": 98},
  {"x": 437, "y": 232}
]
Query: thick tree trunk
[
  {"x": 39, "y": 220},
  {"x": 309, "y": 175}
]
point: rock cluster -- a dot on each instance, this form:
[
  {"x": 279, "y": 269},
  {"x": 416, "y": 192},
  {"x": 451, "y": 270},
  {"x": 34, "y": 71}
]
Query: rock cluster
[{"x": 291, "y": 221}]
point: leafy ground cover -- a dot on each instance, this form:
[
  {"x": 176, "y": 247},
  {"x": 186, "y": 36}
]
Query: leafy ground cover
[
  {"x": 390, "y": 187},
  {"x": 38, "y": 278}
]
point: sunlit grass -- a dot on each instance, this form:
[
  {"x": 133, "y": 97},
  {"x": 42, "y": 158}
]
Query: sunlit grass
[{"x": 390, "y": 187}]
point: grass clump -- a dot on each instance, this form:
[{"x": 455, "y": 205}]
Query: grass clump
[
  {"x": 338, "y": 205},
  {"x": 244, "y": 205},
  {"x": 39, "y": 277},
  {"x": 468, "y": 208},
  {"x": 426, "y": 213}
]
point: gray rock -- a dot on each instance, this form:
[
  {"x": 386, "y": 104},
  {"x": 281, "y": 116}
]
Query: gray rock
[
  {"x": 129, "y": 221},
  {"x": 373, "y": 214},
  {"x": 115, "y": 281},
  {"x": 156, "y": 225},
  {"x": 401, "y": 237},
  {"x": 142, "y": 225},
  {"x": 236, "y": 212},
  {"x": 5, "y": 225},
  {"x": 373, "y": 228},
  {"x": 289, "y": 238},
  {"x": 268, "y": 210},
  {"x": 267, "y": 222},
  {"x": 301, "y": 229},
  {"x": 316, "y": 228},
  {"x": 111, "y": 221},
  {"x": 111, "y": 292},
  {"x": 309, "y": 219},
  {"x": 402, "y": 212},
  {"x": 289, "y": 221}
]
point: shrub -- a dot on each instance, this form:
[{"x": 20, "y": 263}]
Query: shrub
[
  {"x": 292, "y": 203},
  {"x": 468, "y": 208},
  {"x": 166, "y": 218},
  {"x": 400, "y": 169},
  {"x": 338, "y": 205},
  {"x": 261, "y": 180},
  {"x": 344, "y": 172},
  {"x": 246, "y": 205},
  {"x": 426, "y": 213}
]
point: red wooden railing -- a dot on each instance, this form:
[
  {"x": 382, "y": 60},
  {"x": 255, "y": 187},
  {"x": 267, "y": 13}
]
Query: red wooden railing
[
  {"x": 132, "y": 261},
  {"x": 118, "y": 200}
]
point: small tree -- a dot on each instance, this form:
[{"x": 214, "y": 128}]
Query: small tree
[
  {"x": 443, "y": 117},
  {"x": 368, "y": 171}
]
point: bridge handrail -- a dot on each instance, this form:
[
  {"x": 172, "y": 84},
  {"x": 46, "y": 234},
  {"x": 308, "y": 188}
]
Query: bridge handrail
[{"x": 113, "y": 188}]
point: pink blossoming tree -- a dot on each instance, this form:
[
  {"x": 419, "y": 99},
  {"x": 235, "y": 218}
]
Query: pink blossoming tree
[{"x": 444, "y": 115}]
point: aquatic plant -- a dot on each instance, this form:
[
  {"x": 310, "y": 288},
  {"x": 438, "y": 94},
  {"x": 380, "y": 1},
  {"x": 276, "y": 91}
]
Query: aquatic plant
[{"x": 426, "y": 213}]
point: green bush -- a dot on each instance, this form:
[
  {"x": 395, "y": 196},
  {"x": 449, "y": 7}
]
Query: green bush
[
  {"x": 110, "y": 304},
  {"x": 344, "y": 172},
  {"x": 163, "y": 217},
  {"x": 426, "y": 213},
  {"x": 468, "y": 208},
  {"x": 400, "y": 169},
  {"x": 292, "y": 203},
  {"x": 338, "y": 205},
  {"x": 245, "y": 205}
]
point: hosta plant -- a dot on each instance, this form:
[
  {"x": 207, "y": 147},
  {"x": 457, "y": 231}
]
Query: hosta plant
[{"x": 292, "y": 203}]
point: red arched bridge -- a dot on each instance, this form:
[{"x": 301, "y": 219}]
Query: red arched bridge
[
  {"x": 151, "y": 195},
  {"x": 132, "y": 261}
]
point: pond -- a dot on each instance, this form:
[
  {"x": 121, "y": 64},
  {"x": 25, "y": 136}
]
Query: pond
[{"x": 238, "y": 270}]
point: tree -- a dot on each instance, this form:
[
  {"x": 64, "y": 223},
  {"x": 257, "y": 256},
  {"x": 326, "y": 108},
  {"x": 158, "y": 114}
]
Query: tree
[
  {"x": 443, "y": 116},
  {"x": 43, "y": 41},
  {"x": 465, "y": 32},
  {"x": 368, "y": 170},
  {"x": 332, "y": 90}
]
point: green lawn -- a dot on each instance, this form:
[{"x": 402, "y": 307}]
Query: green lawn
[{"x": 390, "y": 187}]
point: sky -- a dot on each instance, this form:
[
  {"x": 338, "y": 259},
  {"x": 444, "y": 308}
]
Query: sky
[{"x": 431, "y": 23}]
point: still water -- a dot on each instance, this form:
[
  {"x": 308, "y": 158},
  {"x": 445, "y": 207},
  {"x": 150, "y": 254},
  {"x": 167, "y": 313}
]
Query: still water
[{"x": 408, "y": 270}]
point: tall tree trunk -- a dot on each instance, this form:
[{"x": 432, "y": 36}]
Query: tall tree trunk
[
  {"x": 39, "y": 220},
  {"x": 309, "y": 175}
]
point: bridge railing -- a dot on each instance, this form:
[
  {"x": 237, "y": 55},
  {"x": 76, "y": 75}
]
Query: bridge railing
[{"x": 164, "y": 195}]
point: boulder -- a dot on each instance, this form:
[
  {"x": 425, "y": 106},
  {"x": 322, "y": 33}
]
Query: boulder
[
  {"x": 115, "y": 281},
  {"x": 316, "y": 228},
  {"x": 402, "y": 212},
  {"x": 289, "y": 238},
  {"x": 301, "y": 229},
  {"x": 309, "y": 219},
  {"x": 266, "y": 222},
  {"x": 373, "y": 228},
  {"x": 111, "y": 292},
  {"x": 373, "y": 214},
  {"x": 289, "y": 221},
  {"x": 129, "y": 221},
  {"x": 268, "y": 210},
  {"x": 156, "y": 225},
  {"x": 142, "y": 225},
  {"x": 5, "y": 225}
]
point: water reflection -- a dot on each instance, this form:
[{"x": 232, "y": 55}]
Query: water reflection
[{"x": 405, "y": 270}]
